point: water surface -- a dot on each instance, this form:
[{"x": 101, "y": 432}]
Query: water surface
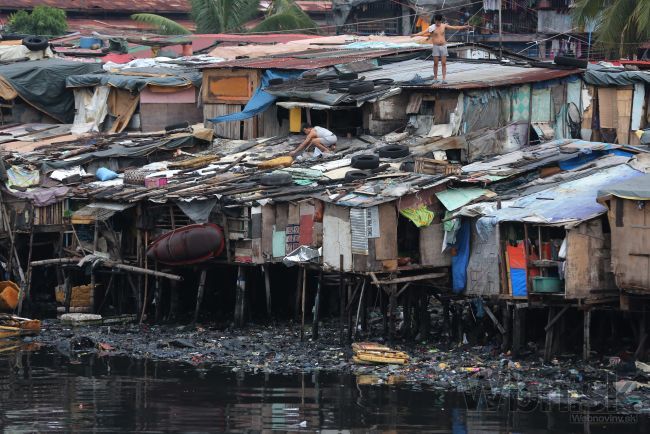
[{"x": 44, "y": 391}]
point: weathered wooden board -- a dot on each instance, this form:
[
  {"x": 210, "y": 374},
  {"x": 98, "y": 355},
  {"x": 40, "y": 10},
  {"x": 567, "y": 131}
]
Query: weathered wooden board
[
  {"x": 386, "y": 244},
  {"x": 337, "y": 238},
  {"x": 431, "y": 246}
]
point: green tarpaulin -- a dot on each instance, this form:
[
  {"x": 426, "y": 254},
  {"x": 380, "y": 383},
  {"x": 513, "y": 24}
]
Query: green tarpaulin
[{"x": 41, "y": 83}]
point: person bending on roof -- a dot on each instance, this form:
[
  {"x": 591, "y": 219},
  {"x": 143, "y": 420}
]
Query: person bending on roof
[
  {"x": 436, "y": 34},
  {"x": 323, "y": 139}
]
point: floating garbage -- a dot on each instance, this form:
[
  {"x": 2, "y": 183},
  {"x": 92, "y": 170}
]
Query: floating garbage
[{"x": 368, "y": 352}]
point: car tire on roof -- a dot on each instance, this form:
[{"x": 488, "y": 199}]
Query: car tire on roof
[
  {"x": 275, "y": 81},
  {"x": 36, "y": 43},
  {"x": 365, "y": 161},
  {"x": 348, "y": 76},
  {"x": 570, "y": 61},
  {"x": 361, "y": 87},
  {"x": 276, "y": 179},
  {"x": 355, "y": 175},
  {"x": 393, "y": 151},
  {"x": 383, "y": 81}
]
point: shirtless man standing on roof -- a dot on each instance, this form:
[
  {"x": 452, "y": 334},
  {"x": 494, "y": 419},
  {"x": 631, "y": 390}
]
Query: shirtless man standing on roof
[{"x": 436, "y": 34}]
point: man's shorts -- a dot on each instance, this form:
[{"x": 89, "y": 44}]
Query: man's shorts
[
  {"x": 328, "y": 141},
  {"x": 439, "y": 51}
]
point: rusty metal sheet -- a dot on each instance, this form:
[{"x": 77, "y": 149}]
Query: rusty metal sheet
[{"x": 155, "y": 6}]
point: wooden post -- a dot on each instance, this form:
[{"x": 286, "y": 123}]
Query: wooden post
[
  {"x": 384, "y": 310},
  {"x": 392, "y": 304},
  {"x": 350, "y": 298},
  {"x": 25, "y": 287},
  {"x": 643, "y": 335},
  {"x": 407, "y": 314},
  {"x": 517, "y": 330},
  {"x": 425, "y": 318},
  {"x": 314, "y": 327},
  {"x": 240, "y": 298},
  {"x": 341, "y": 301},
  {"x": 586, "y": 340},
  {"x": 93, "y": 279},
  {"x": 267, "y": 286},
  {"x": 548, "y": 344},
  {"x": 142, "y": 305},
  {"x": 459, "y": 322},
  {"x": 67, "y": 285},
  {"x": 199, "y": 294},
  {"x": 304, "y": 290},
  {"x": 356, "y": 323},
  {"x": 296, "y": 310}
]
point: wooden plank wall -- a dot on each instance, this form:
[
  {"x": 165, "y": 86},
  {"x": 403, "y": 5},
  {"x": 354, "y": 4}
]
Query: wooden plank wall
[
  {"x": 630, "y": 228},
  {"x": 336, "y": 237},
  {"x": 588, "y": 260},
  {"x": 156, "y": 116}
]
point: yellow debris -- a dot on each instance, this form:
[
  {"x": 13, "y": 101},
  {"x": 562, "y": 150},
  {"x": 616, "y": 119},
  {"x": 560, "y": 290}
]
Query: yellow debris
[
  {"x": 368, "y": 352},
  {"x": 284, "y": 161}
]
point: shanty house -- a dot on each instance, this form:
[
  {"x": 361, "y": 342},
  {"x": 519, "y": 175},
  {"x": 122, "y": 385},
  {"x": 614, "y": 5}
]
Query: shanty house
[
  {"x": 629, "y": 219},
  {"x": 546, "y": 232},
  {"x": 619, "y": 109}
]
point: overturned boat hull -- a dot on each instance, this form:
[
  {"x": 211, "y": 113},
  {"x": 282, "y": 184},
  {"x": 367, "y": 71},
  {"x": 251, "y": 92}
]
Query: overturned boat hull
[{"x": 188, "y": 245}]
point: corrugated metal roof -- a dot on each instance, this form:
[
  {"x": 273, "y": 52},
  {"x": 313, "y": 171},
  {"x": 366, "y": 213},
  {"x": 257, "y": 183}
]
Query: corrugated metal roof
[
  {"x": 310, "y": 59},
  {"x": 466, "y": 75},
  {"x": 572, "y": 201},
  {"x": 155, "y": 6}
]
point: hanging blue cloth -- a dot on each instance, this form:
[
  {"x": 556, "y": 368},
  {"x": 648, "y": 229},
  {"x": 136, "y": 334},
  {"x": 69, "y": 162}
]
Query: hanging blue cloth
[
  {"x": 260, "y": 100},
  {"x": 460, "y": 261}
]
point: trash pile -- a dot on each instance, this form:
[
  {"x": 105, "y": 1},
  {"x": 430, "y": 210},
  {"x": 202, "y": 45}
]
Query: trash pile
[{"x": 369, "y": 352}]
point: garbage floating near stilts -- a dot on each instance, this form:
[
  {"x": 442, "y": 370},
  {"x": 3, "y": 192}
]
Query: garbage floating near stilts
[{"x": 369, "y": 352}]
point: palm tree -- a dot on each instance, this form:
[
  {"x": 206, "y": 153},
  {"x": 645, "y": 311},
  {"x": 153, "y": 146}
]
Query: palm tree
[
  {"x": 285, "y": 15},
  {"x": 221, "y": 16},
  {"x": 621, "y": 25}
]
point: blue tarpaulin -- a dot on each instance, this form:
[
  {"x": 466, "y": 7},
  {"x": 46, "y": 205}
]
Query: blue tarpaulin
[
  {"x": 260, "y": 100},
  {"x": 461, "y": 259}
]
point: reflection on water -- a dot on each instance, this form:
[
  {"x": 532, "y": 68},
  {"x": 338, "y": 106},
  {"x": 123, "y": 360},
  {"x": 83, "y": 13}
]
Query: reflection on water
[{"x": 42, "y": 391}]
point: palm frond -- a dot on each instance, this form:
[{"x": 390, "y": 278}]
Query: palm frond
[
  {"x": 163, "y": 26},
  {"x": 286, "y": 15},
  {"x": 218, "y": 16}
]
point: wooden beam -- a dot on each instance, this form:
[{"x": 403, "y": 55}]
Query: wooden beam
[
  {"x": 494, "y": 320},
  {"x": 199, "y": 294},
  {"x": 553, "y": 320},
  {"x": 407, "y": 279},
  {"x": 586, "y": 338}
]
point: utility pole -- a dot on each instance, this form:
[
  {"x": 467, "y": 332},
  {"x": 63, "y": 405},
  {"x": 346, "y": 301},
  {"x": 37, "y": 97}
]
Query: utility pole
[{"x": 500, "y": 34}]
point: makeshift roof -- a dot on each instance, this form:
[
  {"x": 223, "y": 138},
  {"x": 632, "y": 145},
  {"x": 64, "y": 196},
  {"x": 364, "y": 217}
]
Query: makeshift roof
[
  {"x": 570, "y": 202},
  {"x": 41, "y": 83},
  {"x": 136, "y": 79},
  {"x": 104, "y": 6},
  {"x": 637, "y": 188},
  {"x": 604, "y": 76}
]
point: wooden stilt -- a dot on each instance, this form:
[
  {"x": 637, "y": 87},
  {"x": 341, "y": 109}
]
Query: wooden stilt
[
  {"x": 93, "y": 277},
  {"x": 364, "y": 310},
  {"x": 267, "y": 286},
  {"x": 643, "y": 335},
  {"x": 445, "y": 319},
  {"x": 303, "y": 297},
  {"x": 392, "y": 304},
  {"x": 341, "y": 302},
  {"x": 548, "y": 344},
  {"x": 425, "y": 318},
  {"x": 356, "y": 323},
  {"x": 350, "y": 299},
  {"x": 240, "y": 299},
  {"x": 586, "y": 338},
  {"x": 459, "y": 323},
  {"x": 407, "y": 314},
  {"x": 28, "y": 280},
  {"x": 517, "y": 330},
  {"x": 384, "y": 310},
  {"x": 314, "y": 327},
  {"x": 199, "y": 294},
  {"x": 67, "y": 285},
  {"x": 157, "y": 296},
  {"x": 296, "y": 309}
]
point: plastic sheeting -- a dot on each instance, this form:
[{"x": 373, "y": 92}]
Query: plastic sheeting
[
  {"x": 260, "y": 100},
  {"x": 461, "y": 259},
  {"x": 167, "y": 77},
  {"x": 42, "y": 83},
  {"x": 603, "y": 76},
  {"x": 567, "y": 203},
  {"x": 637, "y": 188},
  {"x": 198, "y": 210},
  {"x": 92, "y": 109}
]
